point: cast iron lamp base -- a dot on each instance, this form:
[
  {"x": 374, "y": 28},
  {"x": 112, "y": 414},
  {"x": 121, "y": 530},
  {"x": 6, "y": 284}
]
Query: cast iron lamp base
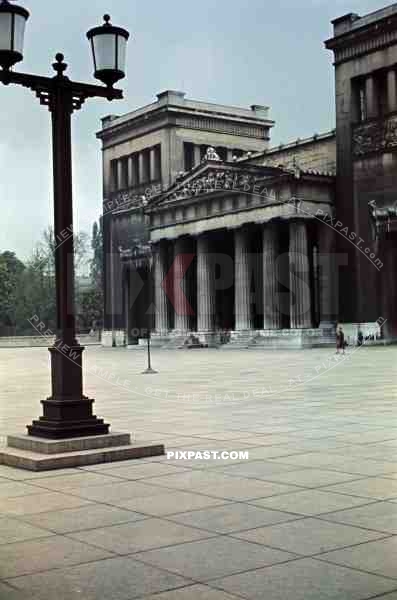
[{"x": 149, "y": 371}]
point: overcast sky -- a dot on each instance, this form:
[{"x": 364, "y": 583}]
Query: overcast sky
[{"x": 238, "y": 52}]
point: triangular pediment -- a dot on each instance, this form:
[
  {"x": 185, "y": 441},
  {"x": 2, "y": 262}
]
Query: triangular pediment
[{"x": 218, "y": 177}]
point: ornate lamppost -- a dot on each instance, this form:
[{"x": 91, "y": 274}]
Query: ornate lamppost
[{"x": 67, "y": 413}]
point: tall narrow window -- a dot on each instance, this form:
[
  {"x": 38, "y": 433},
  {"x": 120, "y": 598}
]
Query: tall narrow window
[
  {"x": 359, "y": 100},
  {"x": 222, "y": 152},
  {"x": 188, "y": 150}
]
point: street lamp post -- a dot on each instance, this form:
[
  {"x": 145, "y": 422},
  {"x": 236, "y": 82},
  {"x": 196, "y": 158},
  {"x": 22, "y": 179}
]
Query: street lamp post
[{"x": 67, "y": 413}]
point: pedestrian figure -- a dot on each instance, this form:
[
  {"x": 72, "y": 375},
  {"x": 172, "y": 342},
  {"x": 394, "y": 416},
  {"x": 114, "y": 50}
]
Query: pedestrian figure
[
  {"x": 340, "y": 340},
  {"x": 360, "y": 338}
]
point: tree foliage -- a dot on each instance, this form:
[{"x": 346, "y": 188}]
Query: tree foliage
[{"x": 28, "y": 289}]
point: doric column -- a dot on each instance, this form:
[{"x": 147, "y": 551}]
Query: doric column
[
  {"x": 299, "y": 276},
  {"x": 272, "y": 316},
  {"x": 152, "y": 164},
  {"x": 370, "y": 94},
  {"x": 182, "y": 257},
  {"x": 131, "y": 172},
  {"x": 160, "y": 298},
  {"x": 327, "y": 276},
  {"x": 229, "y": 155},
  {"x": 141, "y": 168},
  {"x": 242, "y": 280},
  {"x": 391, "y": 90},
  {"x": 197, "y": 155},
  {"x": 120, "y": 183},
  {"x": 205, "y": 286}
]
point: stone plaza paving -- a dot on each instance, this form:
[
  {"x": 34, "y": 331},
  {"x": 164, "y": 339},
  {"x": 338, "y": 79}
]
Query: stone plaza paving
[{"x": 311, "y": 515}]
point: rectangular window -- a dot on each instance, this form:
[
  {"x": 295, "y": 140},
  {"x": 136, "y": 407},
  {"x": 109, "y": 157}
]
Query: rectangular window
[
  {"x": 359, "y": 99},
  {"x": 188, "y": 152},
  {"x": 222, "y": 152}
]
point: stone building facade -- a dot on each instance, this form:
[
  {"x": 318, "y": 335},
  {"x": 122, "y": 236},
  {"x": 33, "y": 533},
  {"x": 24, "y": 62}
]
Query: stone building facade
[
  {"x": 208, "y": 229},
  {"x": 144, "y": 153},
  {"x": 241, "y": 246},
  {"x": 365, "y": 60}
]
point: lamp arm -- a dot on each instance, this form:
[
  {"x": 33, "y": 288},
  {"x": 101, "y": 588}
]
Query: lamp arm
[{"x": 46, "y": 87}]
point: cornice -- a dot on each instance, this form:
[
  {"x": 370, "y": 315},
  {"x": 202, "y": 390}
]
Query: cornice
[
  {"x": 190, "y": 118},
  {"x": 363, "y": 40}
]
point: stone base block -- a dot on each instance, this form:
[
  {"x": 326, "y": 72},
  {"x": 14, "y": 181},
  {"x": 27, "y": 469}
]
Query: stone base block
[
  {"x": 40, "y": 454},
  {"x": 209, "y": 339},
  {"x": 113, "y": 338},
  {"x": 287, "y": 338},
  {"x": 46, "y": 446}
]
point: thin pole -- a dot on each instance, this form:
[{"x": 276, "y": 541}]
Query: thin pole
[{"x": 149, "y": 364}]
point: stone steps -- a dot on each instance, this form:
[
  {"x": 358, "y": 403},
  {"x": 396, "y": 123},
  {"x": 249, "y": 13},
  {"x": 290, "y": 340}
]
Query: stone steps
[{"x": 38, "y": 454}]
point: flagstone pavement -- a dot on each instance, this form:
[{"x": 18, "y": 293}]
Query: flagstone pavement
[{"x": 311, "y": 515}]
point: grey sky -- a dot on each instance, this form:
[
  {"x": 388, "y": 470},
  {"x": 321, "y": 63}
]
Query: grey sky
[{"x": 240, "y": 52}]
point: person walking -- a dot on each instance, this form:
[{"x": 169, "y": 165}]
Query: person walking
[{"x": 340, "y": 340}]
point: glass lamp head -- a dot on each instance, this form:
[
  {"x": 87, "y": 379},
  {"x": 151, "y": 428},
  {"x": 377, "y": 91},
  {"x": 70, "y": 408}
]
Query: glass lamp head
[
  {"x": 109, "y": 45},
  {"x": 13, "y": 20}
]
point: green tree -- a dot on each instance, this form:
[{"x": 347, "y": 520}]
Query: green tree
[
  {"x": 97, "y": 260},
  {"x": 36, "y": 294},
  {"x": 10, "y": 271},
  {"x": 91, "y": 300},
  {"x": 36, "y": 291}
]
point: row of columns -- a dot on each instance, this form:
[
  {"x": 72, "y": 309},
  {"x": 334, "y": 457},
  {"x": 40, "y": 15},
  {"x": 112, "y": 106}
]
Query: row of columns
[
  {"x": 372, "y": 93},
  {"x": 137, "y": 169},
  {"x": 299, "y": 282}
]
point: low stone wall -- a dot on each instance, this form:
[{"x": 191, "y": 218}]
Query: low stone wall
[
  {"x": 33, "y": 341},
  {"x": 372, "y": 333}
]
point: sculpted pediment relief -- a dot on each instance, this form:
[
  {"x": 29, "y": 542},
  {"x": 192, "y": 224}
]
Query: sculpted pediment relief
[{"x": 216, "y": 177}]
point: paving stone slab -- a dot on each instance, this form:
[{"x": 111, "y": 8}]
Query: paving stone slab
[
  {"x": 377, "y": 557},
  {"x": 81, "y": 519},
  {"x": 231, "y": 518},
  {"x": 192, "y": 592},
  {"x": 377, "y": 488},
  {"x": 113, "y": 579},
  {"x": 379, "y": 516},
  {"x": 43, "y": 502},
  {"x": 305, "y": 579},
  {"x": 44, "y": 554},
  {"x": 169, "y": 502},
  {"x": 308, "y": 536},
  {"x": 311, "y": 502},
  {"x": 141, "y": 535},
  {"x": 12, "y": 530},
  {"x": 208, "y": 559}
]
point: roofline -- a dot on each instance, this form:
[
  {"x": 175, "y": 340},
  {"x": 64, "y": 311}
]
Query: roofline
[
  {"x": 171, "y": 100},
  {"x": 297, "y": 143}
]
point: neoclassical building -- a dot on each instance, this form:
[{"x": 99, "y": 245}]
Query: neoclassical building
[{"x": 211, "y": 231}]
